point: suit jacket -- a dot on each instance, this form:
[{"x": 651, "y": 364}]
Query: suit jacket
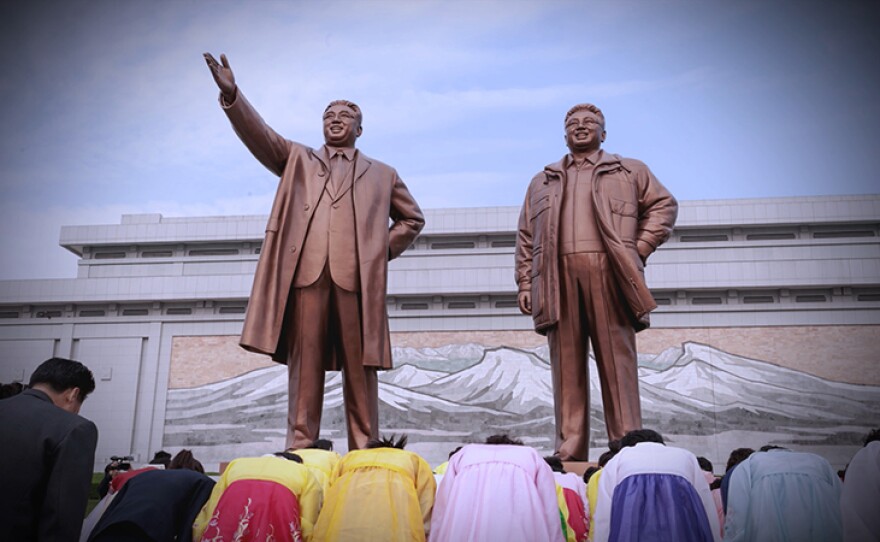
[
  {"x": 635, "y": 214},
  {"x": 162, "y": 504},
  {"x": 379, "y": 195},
  {"x": 47, "y": 456}
]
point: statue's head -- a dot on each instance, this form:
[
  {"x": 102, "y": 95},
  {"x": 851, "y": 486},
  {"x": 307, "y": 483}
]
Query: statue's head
[
  {"x": 584, "y": 128},
  {"x": 342, "y": 123}
]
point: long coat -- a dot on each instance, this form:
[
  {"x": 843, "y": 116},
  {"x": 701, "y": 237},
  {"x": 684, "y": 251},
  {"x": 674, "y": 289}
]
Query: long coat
[
  {"x": 632, "y": 210},
  {"x": 379, "y": 194}
]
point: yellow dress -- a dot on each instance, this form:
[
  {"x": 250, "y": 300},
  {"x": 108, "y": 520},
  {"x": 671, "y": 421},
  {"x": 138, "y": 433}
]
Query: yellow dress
[
  {"x": 321, "y": 463},
  {"x": 564, "y": 514},
  {"x": 292, "y": 475},
  {"x": 382, "y": 494},
  {"x": 592, "y": 496}
]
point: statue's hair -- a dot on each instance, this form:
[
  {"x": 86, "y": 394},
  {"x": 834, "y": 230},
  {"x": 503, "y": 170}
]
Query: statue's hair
[
  {"x": 586, "y": 107},
  {"x": 351, "y": 105}
]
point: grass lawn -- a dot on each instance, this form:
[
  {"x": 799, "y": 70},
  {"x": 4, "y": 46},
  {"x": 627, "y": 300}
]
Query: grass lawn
[{"x": 93, "y": 492}]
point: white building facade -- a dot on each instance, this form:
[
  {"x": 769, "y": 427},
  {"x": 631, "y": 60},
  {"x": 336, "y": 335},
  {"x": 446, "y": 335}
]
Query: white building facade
[{"x": 158, "y": 303}]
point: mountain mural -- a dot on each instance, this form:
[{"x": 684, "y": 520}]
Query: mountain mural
[{"x": 697, "y": 396}]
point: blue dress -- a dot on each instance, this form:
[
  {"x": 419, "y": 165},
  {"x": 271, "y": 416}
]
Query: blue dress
[{"x": 782, "y": 495}]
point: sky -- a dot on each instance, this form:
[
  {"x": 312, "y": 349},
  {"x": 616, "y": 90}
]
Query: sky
[{"x": 108, "y": 107}]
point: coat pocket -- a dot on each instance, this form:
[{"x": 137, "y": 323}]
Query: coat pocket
[
  {"x": 625, "y": 219},
  {"x": 539, "y": 206},
  {"x": 624, "y": 208},
  {"x": 537, "y": 262},
  {"x": 272, "y": 225}
]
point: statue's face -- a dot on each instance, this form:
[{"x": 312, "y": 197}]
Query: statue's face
[
  {"x": 584, "y": 131},
  {"x": 341, "y": 127}
]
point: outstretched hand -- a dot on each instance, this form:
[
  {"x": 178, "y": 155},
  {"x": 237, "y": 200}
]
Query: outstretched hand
[{"x": 223, "y": 76}]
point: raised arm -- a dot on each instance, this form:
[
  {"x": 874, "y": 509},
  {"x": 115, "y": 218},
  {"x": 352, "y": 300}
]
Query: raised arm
[
  {"x": 223, "y": 76},
  {"x": 267, "y": 146}
]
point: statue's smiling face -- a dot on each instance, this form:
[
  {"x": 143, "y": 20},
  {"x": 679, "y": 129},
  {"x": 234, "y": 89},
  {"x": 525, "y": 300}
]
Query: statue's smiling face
[
  {"x": 341, "y": 126},
  {"x": 584, "y": 131}
]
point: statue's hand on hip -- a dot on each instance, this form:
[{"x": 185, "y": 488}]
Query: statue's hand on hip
[{"x": 524, "y": 299}]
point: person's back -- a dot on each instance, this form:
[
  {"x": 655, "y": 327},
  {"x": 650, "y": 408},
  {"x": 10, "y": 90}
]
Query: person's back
[
  {"x": 861, "y": 495},
  {"x": 652, "y": 492},
  {"x": 378, "y": 494},
  {"x": 574, "y": 493},
  {"x": 320, "y": 462},
  {"x": 783, "y": 495},
  {"x": 272, "y": 492},
  {"x": 496, "y": 492},
  {"x": 47, "y": 455},
  {"x": 157, "y": 504}
]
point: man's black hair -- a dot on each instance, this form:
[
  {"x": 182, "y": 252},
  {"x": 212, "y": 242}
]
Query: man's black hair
[
  {"x": 63, "y": 374},
  {"x": 388, "y": 442},
  {"x": 503, "y": 439},
  {"x": 737, "y": 456},
  {"x": 705, "y": 464},
  {"x": 640, "y": 435},
  {"x": 290, "y": 456},
  {"x": 589, "y": 472},
  {"x": 321, "y": 444},
  {"x": 872, "y": 436},
  {"x": 555, "y": 463},
  {"x": 161, "y": 458},
  {"x": 606, "y": 456}
]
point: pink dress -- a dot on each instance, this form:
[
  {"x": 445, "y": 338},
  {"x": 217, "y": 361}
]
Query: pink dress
[{"x": 496, "y": 492}]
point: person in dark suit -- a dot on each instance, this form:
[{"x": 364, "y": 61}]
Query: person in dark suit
[
  {"x": 318, "y": 299},
  {"x": 156, "y": 506},
  {"x": 47, "y": 454}
]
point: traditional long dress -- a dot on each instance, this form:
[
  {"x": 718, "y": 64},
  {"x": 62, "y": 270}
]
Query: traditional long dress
[
  {"x": 321, "y": 463},
  {"x": 496, "y": 492},
  {"x": 651, "y": 492},
  {"x": 860, "y": 500},
  {"x": 382, "y": 494},
  {"x": 574, "y": 493},
  {"x": 783, "y": 495},
  {"x": 592, "y": 498},
  {"x": 261, "y": 498}
]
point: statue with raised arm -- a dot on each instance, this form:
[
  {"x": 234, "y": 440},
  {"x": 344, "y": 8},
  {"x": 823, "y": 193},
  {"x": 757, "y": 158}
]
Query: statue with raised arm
[
  {"x": 318, "y": 299},
  {"x": 586, "y": 229}
]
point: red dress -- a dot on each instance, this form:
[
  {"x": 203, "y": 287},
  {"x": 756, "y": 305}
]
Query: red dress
[{"x": 257, "y": 511}]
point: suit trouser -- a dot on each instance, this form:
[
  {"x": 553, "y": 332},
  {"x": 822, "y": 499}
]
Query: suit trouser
[
  {"x": 592, "y": 308},
  {"x": 325, "y": 320}
]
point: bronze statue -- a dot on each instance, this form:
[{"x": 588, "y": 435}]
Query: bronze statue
[
  {"x": 318, "y": 299},
  {"x": 587, "y": 226}
]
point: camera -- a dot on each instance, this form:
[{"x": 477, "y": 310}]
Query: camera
[{"x": 119, "y": 463}]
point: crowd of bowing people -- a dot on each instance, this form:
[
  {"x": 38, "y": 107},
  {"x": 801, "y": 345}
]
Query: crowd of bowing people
[{"x": 641, "y": 490}]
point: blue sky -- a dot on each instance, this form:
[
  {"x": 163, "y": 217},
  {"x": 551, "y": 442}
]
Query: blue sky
[{"x": 108, "y": 107}]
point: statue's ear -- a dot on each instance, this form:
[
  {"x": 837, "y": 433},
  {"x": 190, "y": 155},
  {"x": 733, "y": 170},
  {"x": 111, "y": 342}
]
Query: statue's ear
[{"x": 360, "y": 130}]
